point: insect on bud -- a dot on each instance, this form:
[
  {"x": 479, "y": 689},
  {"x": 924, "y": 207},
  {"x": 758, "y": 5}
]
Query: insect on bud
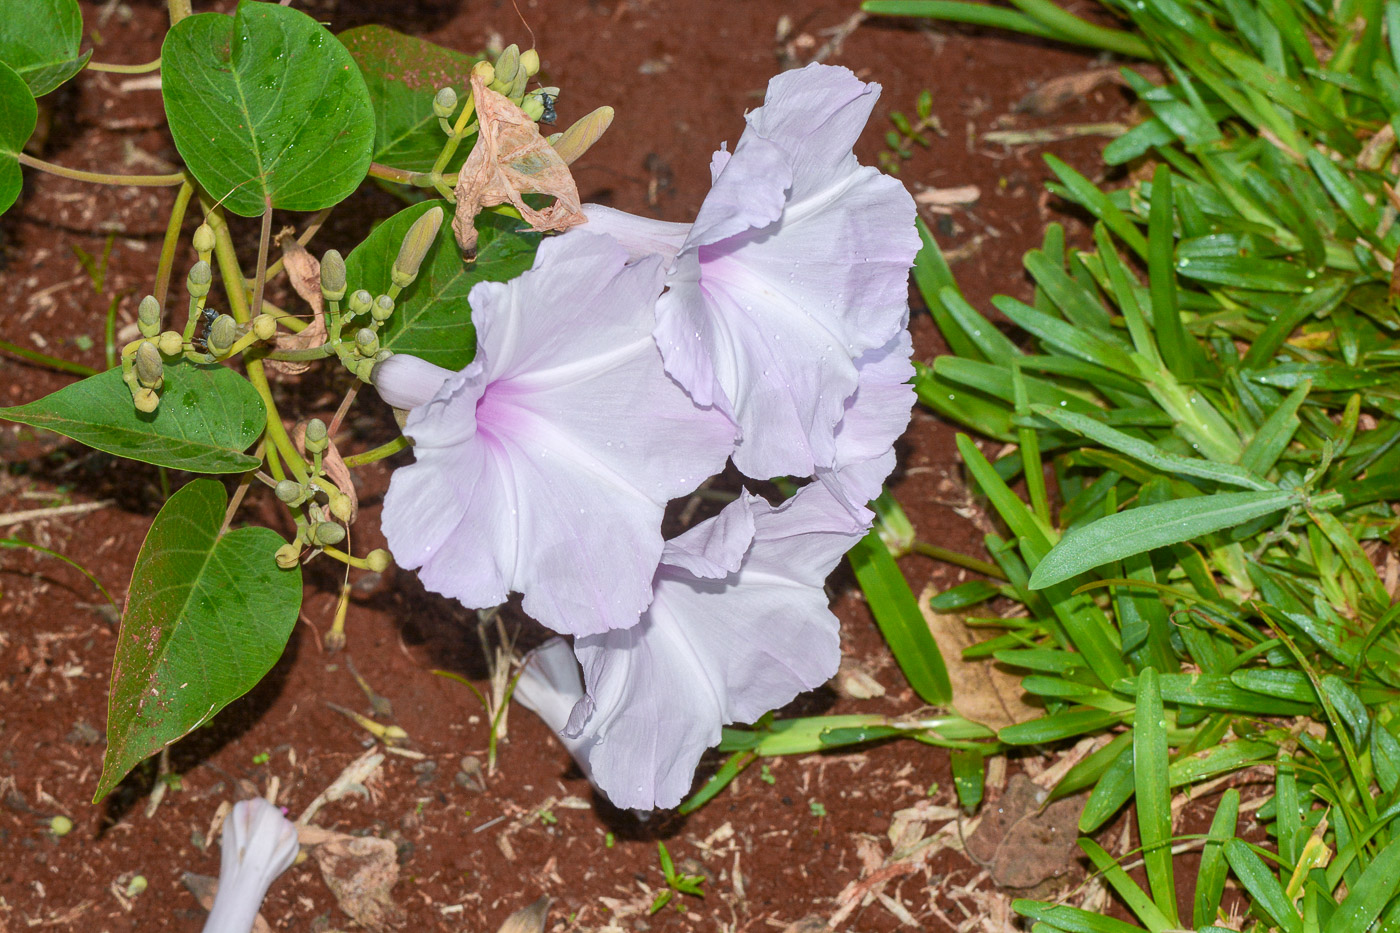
[
  {"x": 264, "y": 326},
  {"x": 290, "y": 492},
  {"x": 146, "y": 400},
  {"x": 150, "y": 370},
  {"x": 366, "y": 341},
  {"x": 199, "y": 279},
  {"x": 332, "y": 276},
  {"x": 381, "y": 310},
  {"x": 327, "y": 534},
  {"x": 530, "y": 62},
  {"x": 222, "y": 333},
  {"x": 204, "y": 239},
  {"x": 316, "y": 437},
  {"x": 170, "y": 343},
  {"x": 360, "y": 302},
  {"x": 419, "y": 239},
  {"x": 288, "y": 555},
  {"x": 378, "y": 560},
  {"x": 148, "y": 316},
  {"x": 444, "y": 102}
]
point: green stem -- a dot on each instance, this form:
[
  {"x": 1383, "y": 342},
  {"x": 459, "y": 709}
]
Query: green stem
[
  {"x": 260, "y": 281},
  {"x": 378, "y": 453},
  {"x": 179, "y": 9},
  {"x": 401, "y": 176},
  {"x": 308, "y": 355},
  {"x": 53, "y": 362},
  {"x": 449, "y": 148},
  {"x": 171, "y": 242},
  {"x": 102, "y": 178},
  {"x": 960, "y": 560},
  {"x": 140, "y": 69}
]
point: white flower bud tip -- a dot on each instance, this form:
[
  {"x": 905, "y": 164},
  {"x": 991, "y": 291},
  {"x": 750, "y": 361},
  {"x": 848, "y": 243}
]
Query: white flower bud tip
[{"x": 259, "y": 844}]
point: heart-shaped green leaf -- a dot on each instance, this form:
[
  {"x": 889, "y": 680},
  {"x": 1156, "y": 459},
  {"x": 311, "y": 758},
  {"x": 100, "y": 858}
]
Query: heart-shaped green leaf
[
  {"x": 18, "y": 117},
  {"x": 207, "y": 617},
  {"x": 403, "y": 73},
  {"x": 208, "y": 416},
  {"x": 432, "y": 319},
  {"x": 266, "y": 107},
  {"x": 39, "y": 40}
]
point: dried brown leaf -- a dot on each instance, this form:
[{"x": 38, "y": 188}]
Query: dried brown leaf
[
  {"x": 1053, "y": 94},
  {"x": 304, "y": 272},
  {"x": 1021, "y": 844},
  {"x": 360, "y": 871},
  {"x": 511, "y": 159},
  {"x": 983, "y": 691},
  {"x": 529, "y": 919}
]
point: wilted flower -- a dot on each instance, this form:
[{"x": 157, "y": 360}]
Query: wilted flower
[
  {"x": 259, "y": 844},
  {"x": 795, "y": 266},
  {"x": 544, "y": 466},
  {"x": 740, "y": 625}
]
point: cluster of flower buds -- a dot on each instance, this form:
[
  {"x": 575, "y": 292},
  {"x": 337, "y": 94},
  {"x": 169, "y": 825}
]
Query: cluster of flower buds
[
  {"x": 508, "y": 75},
  {"x": 326, "y": 509}
]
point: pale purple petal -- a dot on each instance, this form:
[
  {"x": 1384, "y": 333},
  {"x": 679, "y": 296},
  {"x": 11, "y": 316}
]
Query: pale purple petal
[
  {"x": 715, "y": 548},
  {"x": 876, "y": 415},
  {"x": 642, "y": 236},
  {"x": 408, "y": 382},
  {"x": 550, "y": 685},
  {"x": 259, "y": 843},
  {"x": 544, "y": 467},
  {"x": 710, "y": 652}
]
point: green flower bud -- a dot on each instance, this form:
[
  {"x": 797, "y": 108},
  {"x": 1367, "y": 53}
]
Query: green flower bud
[
  {"x": 146, "y": 400},
  {"x": 530, "y": 62},
  {"x": 341, "y": 506},
  {"x": 288, "y": 555},
  {"x": 150, "y": 370},
  {"x": 290, "y": 492},
  {"x": 378, "y": 560},
  {"x": 170, "y": 343},
  {"x": 381, "y": 310},
  {"x": 222, "y": 333},
  {"x": 517, "y": 87},
  {"x": 148, "y": 316},
  {"x": 576, "y": 139},
  {"x": 265, "y": 326},
  {"x": 359, "y": 302},
  {"x": 485, "y": 71},
  {"x": 415, "y": 246},
  {"x": 444, "y": 102},
  {"x": 199, "y": 279},
  {"x": 507, "y": 64},
  {"x": 383, "y": 355},
  {"x": 316, "y": 437},
  {"x": 366, "y": 341},
  {"x": 327, "y": 534},
  {"x": 364, "y": 371},
  {"x": 204, "y": 239},
  {"x": 332, "y": 276},
  {"x": 533, "y": 107}
]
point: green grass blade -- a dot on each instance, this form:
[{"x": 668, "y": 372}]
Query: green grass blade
[
  {"x": 1269, "y": 442},
  {"x": 1138, "y": 901},
  {"x": 1263, "y": 887},
  {"x": 1210, "y": 877},
  {"x": 1150, "y": 788},
  {"x": 1161, "y": 276}
]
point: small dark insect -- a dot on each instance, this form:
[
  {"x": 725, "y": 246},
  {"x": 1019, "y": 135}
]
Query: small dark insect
[
  {"x": 549, "y": 116},
  {"x": 200, "y": 341}
]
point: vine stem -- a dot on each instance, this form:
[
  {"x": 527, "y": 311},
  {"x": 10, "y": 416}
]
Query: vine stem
[
  {"x": 43, "y": 359},
  {"x": 232, "y": 277},
  {"x": 179, "y": 9},
  {"x": 102, "y": 178},
  {"x": 260, "y": 281},
  {"x": 345, "y": 404},
  {"x": 140, "y": 69},
  {"x": 401, "y": 176},
  {"x": 171, "y": 242},
  {"x": 378, "y": 453},
  {"x": 305, "y": 237}
]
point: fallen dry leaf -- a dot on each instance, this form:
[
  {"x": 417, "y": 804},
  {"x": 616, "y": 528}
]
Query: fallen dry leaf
[
  {"x": 943, "y": 200},
  {"x": 304, "y": 272},
  {"x": 1022, "y": 845},
  {"x": 360, "y": 871},
  {"x": 511, "y": 159},
  {"x": 1053, "y": 94},
  {"x": 529, "y": 919},
  {"x": 983, "y": 691}
]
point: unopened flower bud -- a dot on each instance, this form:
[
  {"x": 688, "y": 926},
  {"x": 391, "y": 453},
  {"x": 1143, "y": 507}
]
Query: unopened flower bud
[
  {"x": 366, "y": 341},
  {"x": 290, "y": 492},
  {"x": 146, "y": 400},
  {"x": 341, "y": 506},
  {"x": 584, "y": 133},
  {"x": 444, "y": 102},
  {"x": 517, "y": 87},
  {"x": 148, "y": 316},
  {"x": 150, "y": 370},
  {"x": 415, "y": 246},
  {"x": 485, "y": 71},
  {"x": 170, "y": 343},
  {"x": 222, "y": 333},
  {"x": 332, "y": 276},
  {"x": 204, "y": 239},
  {"x": 316, "y": 437},
  {"x": 288, "y": 555},
  {"x": 364, "y": 371},
  {"x": 378, "y": 560},
  {"x": 382, "y": 308},
  {"x": 533, "y": 107},
  {"x": 383, "y": 355},
  {"x": 264, "y": 326},
  {"x": 507, "y": 64},
  {"x": 327, "y": 534},
  {"x": 530, "y": 62},
  {"x": 197, "y": 282},
  {"x": 359, "y": 302}
]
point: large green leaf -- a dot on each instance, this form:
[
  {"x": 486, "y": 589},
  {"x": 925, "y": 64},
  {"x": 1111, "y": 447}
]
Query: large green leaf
[
  {"x": 18, "y": 117},
  {"x": 267, "y": 107},
  {"x": 432, "y": 319},
  {"x": 208, "y": 416},
  {"x": 208, "y": 616},
  {"x": 402, "y": 74},
  {"x": 39, "y": 40},
  {"x": 1151, "y": 526}
]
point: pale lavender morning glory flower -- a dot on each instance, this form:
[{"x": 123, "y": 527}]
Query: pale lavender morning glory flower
[
  {"x": 544, "y": 466},
  {"x": 549, "y": 685},
  {"x": 259, "y": 844},
  {"x": 796, "y": 265},
  {"x": 876, "y": 415},
  {"x": 740, "y": 625}
]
